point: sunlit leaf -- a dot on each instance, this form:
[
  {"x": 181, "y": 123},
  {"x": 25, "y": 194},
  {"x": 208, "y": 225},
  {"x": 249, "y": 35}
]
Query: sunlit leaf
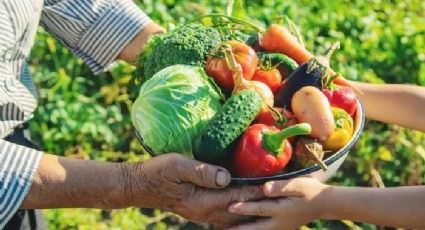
[
  {"x": 385, "y": 154},
  {"x": 110, "y": 92},
  {"x": 236, "y": 8}
]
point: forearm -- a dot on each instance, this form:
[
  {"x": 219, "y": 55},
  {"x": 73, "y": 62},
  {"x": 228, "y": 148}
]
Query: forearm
[
  {"x": 132, "y": 51},
  {"x": 67, "y": 183},
  {"x": 402, "y": 105},
  {"x": 395, "y": 207}
]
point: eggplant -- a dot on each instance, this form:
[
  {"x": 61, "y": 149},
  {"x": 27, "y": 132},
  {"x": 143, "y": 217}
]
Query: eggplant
[
  {"x": 254, "y": 42},
  {"x": 315, "y": 73}
]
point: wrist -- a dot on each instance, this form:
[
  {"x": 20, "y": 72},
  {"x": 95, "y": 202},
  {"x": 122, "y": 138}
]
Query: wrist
[
  {"x": 133, "y": 50},
  {"x": 329, "y": 203},
  {"x": 135, "y": 185},
  {"x": 125, "y": 173},
  {"x": 111, "y": 189}
]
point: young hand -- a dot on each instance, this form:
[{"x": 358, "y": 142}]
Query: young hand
[{"x": 299, "y": 201}]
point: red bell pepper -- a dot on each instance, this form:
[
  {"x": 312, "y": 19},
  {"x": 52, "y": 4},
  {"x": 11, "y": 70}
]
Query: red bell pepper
[
  {"x": 264, "y": 150},
  {"x": 342, "y": 97}
]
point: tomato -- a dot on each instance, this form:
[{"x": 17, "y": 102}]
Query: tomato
[
  {"x": 270, "y": 77},
  {"x": 223, "y": 76},
  {"x": 267, "y": 118}
]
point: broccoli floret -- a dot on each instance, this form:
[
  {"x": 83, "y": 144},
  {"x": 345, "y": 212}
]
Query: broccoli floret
[{"x": 188, "y": 45}]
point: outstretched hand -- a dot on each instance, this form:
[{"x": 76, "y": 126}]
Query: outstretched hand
[{"x": 298, "y": 202}]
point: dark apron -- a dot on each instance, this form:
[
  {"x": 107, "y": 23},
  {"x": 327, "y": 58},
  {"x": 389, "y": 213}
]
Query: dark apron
[{"x": 25, "y": 219}]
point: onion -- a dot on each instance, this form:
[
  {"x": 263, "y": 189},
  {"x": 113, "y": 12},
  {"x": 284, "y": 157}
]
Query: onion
[{"x": 241, "y": 83}]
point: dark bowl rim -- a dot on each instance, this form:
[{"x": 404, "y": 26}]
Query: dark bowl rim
[{"x": 343, "y": 151}]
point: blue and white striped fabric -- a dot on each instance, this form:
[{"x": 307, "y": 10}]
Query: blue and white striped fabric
[{"x": 95, "y": 30}]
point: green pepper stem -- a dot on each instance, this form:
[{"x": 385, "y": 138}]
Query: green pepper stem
[{"x": 273, "y": 142}]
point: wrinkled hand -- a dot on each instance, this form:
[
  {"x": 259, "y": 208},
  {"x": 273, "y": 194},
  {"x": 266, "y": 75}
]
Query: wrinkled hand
[
  {"x": 189, "y": 188},
  {"x": 299, "y": 201}
]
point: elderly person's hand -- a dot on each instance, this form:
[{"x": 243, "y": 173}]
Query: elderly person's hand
[
  {"x": 189, "y": 188},
  {"x": 171, "y": 182}
]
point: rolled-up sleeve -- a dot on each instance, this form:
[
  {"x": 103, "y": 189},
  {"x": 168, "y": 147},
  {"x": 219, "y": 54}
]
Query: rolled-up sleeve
[
  {"x": 18, "y": 164},
  {"x": 95, "y": 30},
  {"x": 18, "y": 167}
]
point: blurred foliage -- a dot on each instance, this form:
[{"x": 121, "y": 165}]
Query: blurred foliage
[{"x": 85, "y": 116}]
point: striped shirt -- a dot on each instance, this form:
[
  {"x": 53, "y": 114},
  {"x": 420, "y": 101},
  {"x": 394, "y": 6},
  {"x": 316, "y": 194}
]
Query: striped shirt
[{"x": 95, "y": 30}]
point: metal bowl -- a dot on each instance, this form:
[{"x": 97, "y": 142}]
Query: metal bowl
[{"x": 333, "y": 162}]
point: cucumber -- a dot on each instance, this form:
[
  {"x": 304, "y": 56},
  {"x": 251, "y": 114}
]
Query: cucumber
[
  {"x": 217, "y": 138},
  {"x": 284, "y": 64}
]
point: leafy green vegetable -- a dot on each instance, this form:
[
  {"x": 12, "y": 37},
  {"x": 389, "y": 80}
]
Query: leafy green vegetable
[
  {"x": 187, "y": 45},
  {"x": 173, "y": 106}
]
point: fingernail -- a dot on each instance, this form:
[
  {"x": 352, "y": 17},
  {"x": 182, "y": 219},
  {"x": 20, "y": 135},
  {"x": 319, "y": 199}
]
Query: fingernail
[
  {"x": 234, "y": 207},
  {"x": 222, "y": 178},
  {"x": 268, "y": 187}
]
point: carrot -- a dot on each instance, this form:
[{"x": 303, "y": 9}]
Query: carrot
[
  {"x": 342, "y": 81},
  {"x": 278, "y": 39}
]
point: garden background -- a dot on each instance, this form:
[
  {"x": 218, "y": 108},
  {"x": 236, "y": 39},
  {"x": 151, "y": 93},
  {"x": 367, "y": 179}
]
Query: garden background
[{"x": 85, "y": 116}]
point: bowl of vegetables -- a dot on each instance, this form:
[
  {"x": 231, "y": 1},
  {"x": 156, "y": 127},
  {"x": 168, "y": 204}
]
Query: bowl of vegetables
[
  {"x": 322, "y": 171},
  {"x": 264, "y": 107}
]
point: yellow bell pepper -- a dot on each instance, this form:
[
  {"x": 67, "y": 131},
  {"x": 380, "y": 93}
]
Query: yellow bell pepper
[{"x": 343, "y": 130}]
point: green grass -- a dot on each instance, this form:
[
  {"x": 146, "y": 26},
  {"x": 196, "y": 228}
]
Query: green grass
[{"x": 86, "y": 116}]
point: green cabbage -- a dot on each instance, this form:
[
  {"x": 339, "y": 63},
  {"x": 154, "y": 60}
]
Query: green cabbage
[{"x": 173, "y": 107}]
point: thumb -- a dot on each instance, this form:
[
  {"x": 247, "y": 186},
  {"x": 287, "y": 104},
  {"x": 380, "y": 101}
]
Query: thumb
[
  {"x": 282, "y": 188},
  {"x": 204, "y": 175}
]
